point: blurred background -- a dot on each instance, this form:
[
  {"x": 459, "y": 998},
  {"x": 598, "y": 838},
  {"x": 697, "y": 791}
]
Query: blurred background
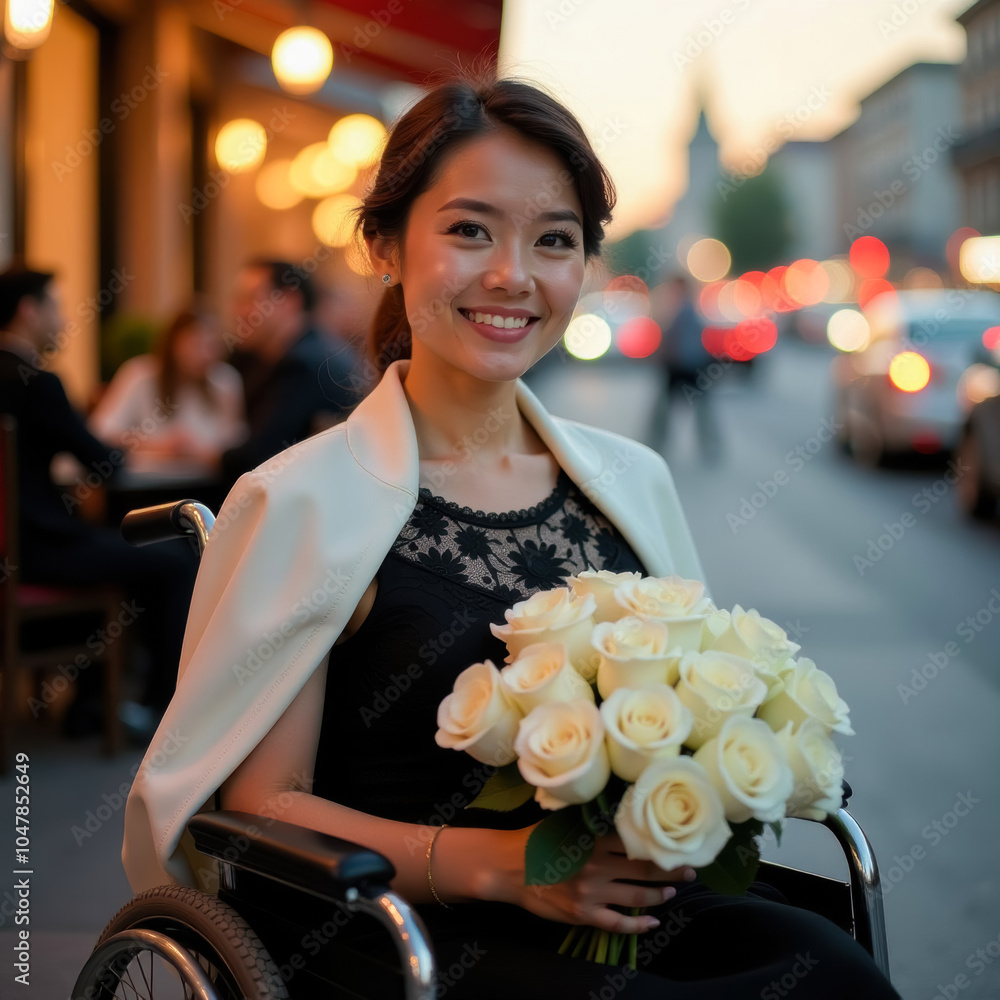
[{"x": 798, "y": 305}]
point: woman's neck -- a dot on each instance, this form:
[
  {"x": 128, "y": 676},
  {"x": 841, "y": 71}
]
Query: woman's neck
[{"x": 460, "y": 418}]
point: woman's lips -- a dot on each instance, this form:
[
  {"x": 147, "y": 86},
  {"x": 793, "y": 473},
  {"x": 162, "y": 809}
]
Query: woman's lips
[{"x": 498, "y": 333}]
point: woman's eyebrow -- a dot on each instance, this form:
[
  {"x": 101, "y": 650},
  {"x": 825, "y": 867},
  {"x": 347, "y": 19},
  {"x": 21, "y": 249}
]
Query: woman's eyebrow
[{"x": 561, "y": 215}]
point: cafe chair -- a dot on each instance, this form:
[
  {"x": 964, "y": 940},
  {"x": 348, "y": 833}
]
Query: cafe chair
[
  {"x": 29, "y": 604},
  {"x": 270, "y": 932}
]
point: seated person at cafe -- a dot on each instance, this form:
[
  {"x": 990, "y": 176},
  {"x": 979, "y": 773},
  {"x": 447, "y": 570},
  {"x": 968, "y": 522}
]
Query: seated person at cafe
[
  {"x": 183, "y": 404},
  {"x": 295, "y": 380},
  {"x": 58, "y": 547}
]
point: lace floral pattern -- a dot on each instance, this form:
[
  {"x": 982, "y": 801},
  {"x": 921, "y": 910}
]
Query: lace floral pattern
[{"x": 517, "y": 553}]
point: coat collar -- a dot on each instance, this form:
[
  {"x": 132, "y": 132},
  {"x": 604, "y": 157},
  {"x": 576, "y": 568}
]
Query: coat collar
[{"x": 394, "y": 459}]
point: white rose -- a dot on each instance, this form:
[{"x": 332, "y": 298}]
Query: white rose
[
  {"x": 806, "y": 692},
  {"x": 601, "y": 584},
  {"x": 632, "y": 652},
  {"x": 715, "y": 686},
  {"x": 679, "y": 603},
  {"x": 748, "y": 634},
  {"x": 817, "y": 770},
  {"x": 749, "y": 769},
  {"x": 556, "y": 615},
  {"x": 672, "y": 815},
  {"x": 561, "y": 751},
  {"x": 643, "y": 725},
  {"x": 479, "y": 716},
  {"x": 542, "y": 672}
]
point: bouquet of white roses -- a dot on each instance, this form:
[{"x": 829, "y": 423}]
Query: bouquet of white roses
[{"x": 634, "y": 700}]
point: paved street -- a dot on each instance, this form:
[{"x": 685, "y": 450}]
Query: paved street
[{"x": 802, "y": 549}]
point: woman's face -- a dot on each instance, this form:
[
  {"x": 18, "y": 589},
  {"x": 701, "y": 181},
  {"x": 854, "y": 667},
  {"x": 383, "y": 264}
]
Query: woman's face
[
  {"x": 196, "y": 350},
  {"x": 498, "y": 234}
]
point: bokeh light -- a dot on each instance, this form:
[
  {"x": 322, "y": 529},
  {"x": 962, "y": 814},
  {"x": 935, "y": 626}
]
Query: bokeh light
[
  {"x": 332, "y": 220},
  {"x": 841, "y": 279},
  {"x": 772, "y": 290},
  {"x": 356, "y": 139},
  {"x": 806, "y": 282},
  {"x": 909, "y": 371},
  {"x": 979, "y": 259},
  {"x": 274, "y": 186},
  {"x": 27, "y": 23},
  {"x": 732, "y": 344},
  {"x": 316, "y": 173},
  {"x": 302, "y": 58},
  {"x": 708, "y": 260},
  {"x": 587, "y": 337},
  {"x": 869, "y": 256},
  {"x": 240, "y": 145},
  {"x": 638, "y": 337},
  {"x": 978, "y": 382},
  {"x": 953, "y": 247},
  {"x": 922, "y": 277},
  {"x": 708, "y": 301},
  {"x": 871, "y": 288},
  {"x": 848, "y": 330},
  {"x": 757, "y": 335},
  {"x": 991, "y": 338},
  {"x": 746, "y": 294}
]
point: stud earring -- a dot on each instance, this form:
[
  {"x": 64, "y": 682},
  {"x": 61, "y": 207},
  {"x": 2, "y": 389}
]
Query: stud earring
[{"x": 386, "y": 278}]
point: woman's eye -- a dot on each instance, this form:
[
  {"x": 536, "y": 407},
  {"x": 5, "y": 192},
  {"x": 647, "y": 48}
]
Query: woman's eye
[
  {"x": 567, "y": 238},
  {"x": 463, "y": 229}
]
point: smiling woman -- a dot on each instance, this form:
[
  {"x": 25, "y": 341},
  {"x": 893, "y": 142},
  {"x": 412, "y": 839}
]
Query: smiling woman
[{"x": 488, "y": 204}]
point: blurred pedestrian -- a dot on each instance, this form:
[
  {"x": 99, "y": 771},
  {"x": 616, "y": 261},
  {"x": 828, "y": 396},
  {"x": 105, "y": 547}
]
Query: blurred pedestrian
[
  {"x": 58, "y": 547},
  {"x": 295, "y": 380},
  {"x": 182, "y": 402},
  {"x": 684, "y": 358}
]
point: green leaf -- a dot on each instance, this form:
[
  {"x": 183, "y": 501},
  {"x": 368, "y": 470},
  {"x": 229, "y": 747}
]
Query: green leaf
[
  {"x": 736, "y": 866},
  {"x": 504, "y": 791},
  {"x": 557, "y": 848},
  {"x": 776, "y": 829}
]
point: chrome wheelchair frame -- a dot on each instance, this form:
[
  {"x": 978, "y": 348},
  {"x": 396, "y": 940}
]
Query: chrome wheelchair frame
[{"x": 268, "y": 868}]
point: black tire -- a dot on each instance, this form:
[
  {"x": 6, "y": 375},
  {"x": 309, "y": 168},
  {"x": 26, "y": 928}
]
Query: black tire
[
  {"x": 223, "y": 943},
  {"x": 974, "y": 496}
]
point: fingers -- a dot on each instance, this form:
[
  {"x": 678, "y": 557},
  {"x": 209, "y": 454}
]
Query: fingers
[
  {"x": 622, "y": 923},
  {"x": 640, "y": 896}
]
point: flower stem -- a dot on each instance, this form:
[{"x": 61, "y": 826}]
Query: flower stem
[
  {"x": 601, "y": 956},
  {"x": 581, "y": 941},
  {"x": 564, "y": 947},
  {"x": 592, "y": 947}
]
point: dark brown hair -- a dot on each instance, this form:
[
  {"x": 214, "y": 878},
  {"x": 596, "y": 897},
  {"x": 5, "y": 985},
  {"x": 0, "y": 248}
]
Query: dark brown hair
[
  {"x": 471, "y": 105},
  {"x": 169, "y": 378}
]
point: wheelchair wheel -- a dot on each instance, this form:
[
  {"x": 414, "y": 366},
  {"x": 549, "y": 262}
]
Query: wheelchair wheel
[{"x": 144, "y": 962}]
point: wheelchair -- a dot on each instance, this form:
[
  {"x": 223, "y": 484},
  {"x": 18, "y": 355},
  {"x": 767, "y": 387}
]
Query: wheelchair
[{"x": 270, "y": 932}]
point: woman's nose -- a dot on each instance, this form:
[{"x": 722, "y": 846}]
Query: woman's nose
[{"x": 510, "y": 269}]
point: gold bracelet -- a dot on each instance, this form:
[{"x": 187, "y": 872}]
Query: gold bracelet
[{"x": 430, "y": 877}]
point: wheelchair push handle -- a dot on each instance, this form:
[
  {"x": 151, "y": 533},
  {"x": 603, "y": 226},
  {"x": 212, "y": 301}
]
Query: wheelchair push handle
[{"x": 149, "y": 525}]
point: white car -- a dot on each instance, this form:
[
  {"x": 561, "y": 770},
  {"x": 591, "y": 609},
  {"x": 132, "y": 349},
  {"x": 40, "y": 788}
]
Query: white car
[{"x": 900, "y": 394}]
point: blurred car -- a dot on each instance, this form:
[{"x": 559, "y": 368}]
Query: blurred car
[
  {"x": 899, "y": 394},
  {"x": 978, "y": 484}
]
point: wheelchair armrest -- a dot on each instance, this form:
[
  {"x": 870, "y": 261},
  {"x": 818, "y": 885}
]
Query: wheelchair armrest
[{"x": 314, "y": 862}]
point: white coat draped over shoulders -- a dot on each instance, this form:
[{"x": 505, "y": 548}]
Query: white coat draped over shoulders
[{"x": 295, "y": 545}]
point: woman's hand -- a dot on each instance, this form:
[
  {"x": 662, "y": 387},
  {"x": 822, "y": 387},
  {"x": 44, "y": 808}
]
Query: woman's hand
[{"x": 602, "y": 882}]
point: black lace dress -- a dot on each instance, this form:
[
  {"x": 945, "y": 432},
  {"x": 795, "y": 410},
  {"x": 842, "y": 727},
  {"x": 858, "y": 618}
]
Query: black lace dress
[{"x": 451, "y": 572}]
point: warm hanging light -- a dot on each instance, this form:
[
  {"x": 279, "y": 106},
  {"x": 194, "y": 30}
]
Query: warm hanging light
[
  {"x": 316, "y": 173},
  {"x": 332, "y": 219},
  {"x": 356, "y": 139},
  {"x": 274, "y": 186},
  {"x": 302, "y": 58},
  {"x": 240, "y": 145},
  {"x": 26, "y": 23}
]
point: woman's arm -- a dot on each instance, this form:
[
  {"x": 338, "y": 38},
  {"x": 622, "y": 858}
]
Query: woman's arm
[{"x": 469, "y": 864}]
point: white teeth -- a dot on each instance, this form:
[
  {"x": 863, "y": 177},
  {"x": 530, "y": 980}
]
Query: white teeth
[{"x": 500, "y": 322}]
